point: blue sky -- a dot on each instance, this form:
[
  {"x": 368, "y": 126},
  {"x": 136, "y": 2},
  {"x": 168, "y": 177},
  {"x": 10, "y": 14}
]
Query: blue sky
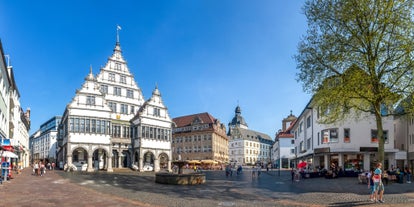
[{"x": 205, "y": 55}]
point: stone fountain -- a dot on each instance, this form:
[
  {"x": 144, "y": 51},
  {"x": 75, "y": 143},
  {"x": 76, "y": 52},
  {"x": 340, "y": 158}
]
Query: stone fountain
[{"x": 180, "y": 178}]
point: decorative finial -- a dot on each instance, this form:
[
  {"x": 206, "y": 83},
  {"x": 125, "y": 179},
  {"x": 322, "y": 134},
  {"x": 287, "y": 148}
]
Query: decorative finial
[
  {"x": 156, "y": 91},
  {"x": 117, "y": 33},
  {"x": 90, "y": 69}
]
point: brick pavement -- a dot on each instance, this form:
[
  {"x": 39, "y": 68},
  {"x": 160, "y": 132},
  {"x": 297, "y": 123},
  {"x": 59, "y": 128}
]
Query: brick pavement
[
  {"x": 139, "y": 189},
  {"x": 53, "y": 190}
]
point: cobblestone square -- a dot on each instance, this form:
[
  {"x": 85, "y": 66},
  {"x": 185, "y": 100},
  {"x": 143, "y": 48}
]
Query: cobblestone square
[{"x": 129, "y": 188}]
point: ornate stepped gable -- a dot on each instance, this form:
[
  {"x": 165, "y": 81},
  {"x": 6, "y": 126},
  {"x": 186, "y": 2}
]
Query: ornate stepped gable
[
  {"x": 118, "y": 84},
  {"x": 154, "y": 107},
  {"x": 89, "y": 96}
]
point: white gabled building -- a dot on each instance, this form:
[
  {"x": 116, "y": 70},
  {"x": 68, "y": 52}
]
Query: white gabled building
[
  {"x": 247, "y": 146},
  {"x": 85, "y": 130},
  {"x": 283, "y": 150},
  {"x": 350, "y": 144},
  {"x": 96, "y": 129},
  {"x": 124, "y": 98},
  {"x": 14, "y": 122},
  {"x": 151, "y": 135},
  {"x": 4, "y": 96}
]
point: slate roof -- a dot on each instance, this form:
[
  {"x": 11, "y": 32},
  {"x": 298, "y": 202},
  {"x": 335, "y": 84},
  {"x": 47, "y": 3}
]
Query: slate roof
[
  {"x": 252, "y": 135},
  {"x": 238, "y": 119}
]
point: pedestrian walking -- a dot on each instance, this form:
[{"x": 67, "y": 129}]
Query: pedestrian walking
[
  {"x": 228, "y": 170},
  {"x": 378, "y": 185},
  {"x": 407, "y": 171},
  {"x": 36, "y": 168},
  {"x": 42, "y": 168},
  {"x": 253, "y": 172},
  {"x": 239, "y": 170}
]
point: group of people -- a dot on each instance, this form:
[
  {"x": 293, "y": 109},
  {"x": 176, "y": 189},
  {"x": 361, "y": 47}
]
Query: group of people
[
  {"x": 256, "y": 170},
  {"x": 39, "y": 168},
  {"x": 400, "y": 174},
  {"x": 229, "y": 170}
]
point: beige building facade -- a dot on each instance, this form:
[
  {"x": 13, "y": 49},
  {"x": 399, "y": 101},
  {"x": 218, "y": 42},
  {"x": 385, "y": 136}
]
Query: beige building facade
[{"x": 200, "y": 137}]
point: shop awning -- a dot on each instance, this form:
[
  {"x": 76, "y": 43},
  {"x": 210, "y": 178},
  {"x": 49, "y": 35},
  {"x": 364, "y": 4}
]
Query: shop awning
[
  {"x": 209, "y": 162},
  {"x": 8, "y": 154},
  {"x": 193, "y": 162}
]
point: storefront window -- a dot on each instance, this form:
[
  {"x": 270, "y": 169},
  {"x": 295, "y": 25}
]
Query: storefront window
[{"x": 353, "y": 162}]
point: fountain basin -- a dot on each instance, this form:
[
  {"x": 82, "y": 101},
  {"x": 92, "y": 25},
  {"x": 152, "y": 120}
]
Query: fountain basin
[{"x": 180, "y": 179}]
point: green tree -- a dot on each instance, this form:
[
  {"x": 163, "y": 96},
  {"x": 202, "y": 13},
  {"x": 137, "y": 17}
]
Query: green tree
[{"x": 358, "y": 55}]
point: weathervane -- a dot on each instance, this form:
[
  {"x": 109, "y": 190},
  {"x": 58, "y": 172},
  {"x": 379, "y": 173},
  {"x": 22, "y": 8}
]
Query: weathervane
[{"x": 117, "y": 33}]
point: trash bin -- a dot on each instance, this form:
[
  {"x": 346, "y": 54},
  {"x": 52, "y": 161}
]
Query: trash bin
[{"x": 5, "y": 170}]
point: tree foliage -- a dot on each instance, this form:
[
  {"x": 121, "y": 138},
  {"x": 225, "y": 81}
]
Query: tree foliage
[{"x": 358, "y": 54}]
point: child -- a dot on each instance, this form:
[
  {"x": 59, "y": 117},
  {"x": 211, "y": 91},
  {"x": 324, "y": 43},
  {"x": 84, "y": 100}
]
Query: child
[{"x": 371, "y": 185}]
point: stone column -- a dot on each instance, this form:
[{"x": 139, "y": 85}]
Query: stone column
[
  {"x": 169, "y": 166},
  {"x": 366, "y": 161},
  {"x": 340, "y": 160},
  {"x": 119, "y": 159},
  {"x": 109, "y": 164},
  {"x": 141, "y": 164},
  {"x": 326, "y": 161},
  {"x": 156, "y": 165},
  {"x": 69, "y": 163},
  {"x": 90, "y": 168}
]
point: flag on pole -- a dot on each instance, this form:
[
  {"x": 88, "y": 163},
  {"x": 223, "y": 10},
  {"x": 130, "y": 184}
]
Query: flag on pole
[{"x": 118, "y": 27}]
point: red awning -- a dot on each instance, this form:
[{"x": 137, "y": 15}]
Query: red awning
[{"x": 8, "y": 148}]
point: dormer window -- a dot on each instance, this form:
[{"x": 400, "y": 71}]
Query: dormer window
[{"x": 197, "y": 120}]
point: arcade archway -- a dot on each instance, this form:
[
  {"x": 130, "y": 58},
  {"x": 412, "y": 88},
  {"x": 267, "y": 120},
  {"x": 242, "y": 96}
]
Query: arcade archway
[
  {"x": 148, "y": 161},
  {"x": 99, "y": 159}
]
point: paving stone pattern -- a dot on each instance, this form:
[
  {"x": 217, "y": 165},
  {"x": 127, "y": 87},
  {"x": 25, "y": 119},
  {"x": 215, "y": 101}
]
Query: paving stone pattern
[{"x": 129, "y": 188}]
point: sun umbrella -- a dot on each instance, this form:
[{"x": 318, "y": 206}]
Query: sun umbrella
[
  {"x": 302, "y": 164},
  {"x": 8, "y": 154}
]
